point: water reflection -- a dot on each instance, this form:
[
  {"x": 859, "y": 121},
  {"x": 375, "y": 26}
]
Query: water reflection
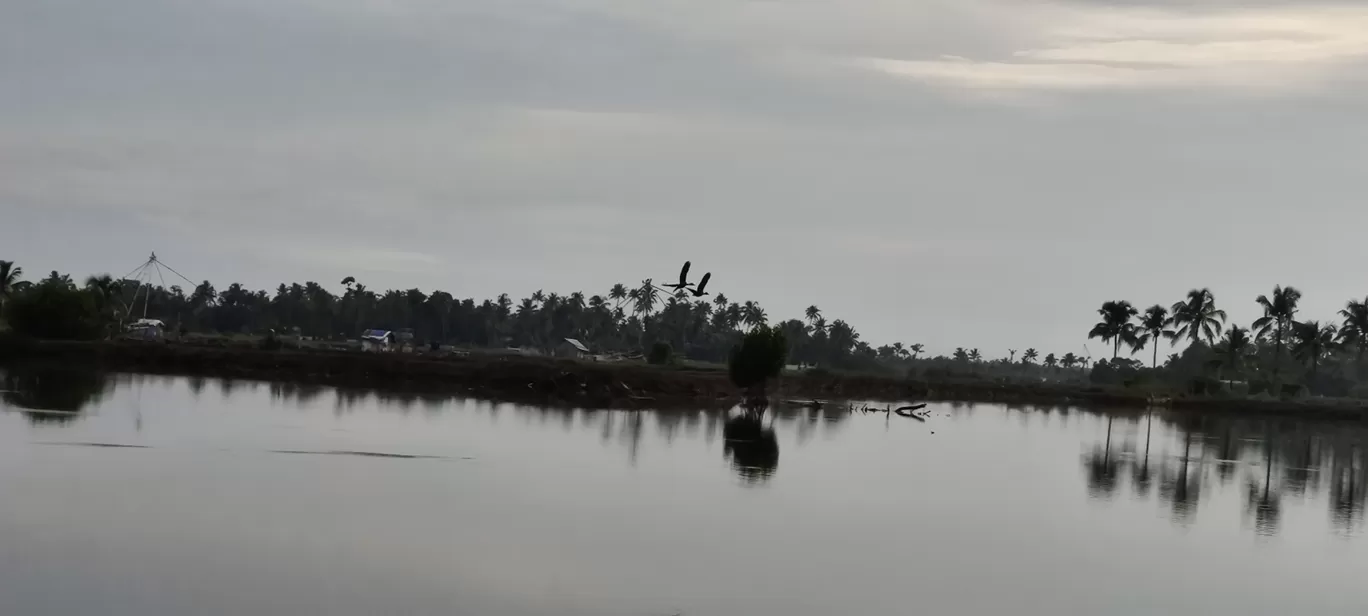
[
  {"x": 752, "y": 447},
  {"x": 1280, "y": 460},
  {"x": 52, "y": 395},
  {"x": 1179, "y": 462}
]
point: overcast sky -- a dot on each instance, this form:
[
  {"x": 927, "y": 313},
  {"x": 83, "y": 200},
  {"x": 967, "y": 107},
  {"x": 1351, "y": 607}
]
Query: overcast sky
[{"x": 978, "y": 173}]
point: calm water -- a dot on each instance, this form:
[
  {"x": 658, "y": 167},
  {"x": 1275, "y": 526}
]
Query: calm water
[{"x": 247, "y": 498}]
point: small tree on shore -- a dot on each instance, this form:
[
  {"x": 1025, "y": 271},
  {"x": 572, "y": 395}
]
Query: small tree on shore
[{"x": 759, "y": 357}]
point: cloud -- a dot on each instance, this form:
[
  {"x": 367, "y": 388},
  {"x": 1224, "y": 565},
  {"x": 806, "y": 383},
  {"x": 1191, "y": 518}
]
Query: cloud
[{"x": 1268, "y": 49}]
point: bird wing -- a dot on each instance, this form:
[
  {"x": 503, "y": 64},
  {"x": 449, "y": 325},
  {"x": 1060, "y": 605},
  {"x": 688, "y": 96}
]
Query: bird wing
[
  {"x": 684, "y": 274},
  {"x": 704, "y": 282}
]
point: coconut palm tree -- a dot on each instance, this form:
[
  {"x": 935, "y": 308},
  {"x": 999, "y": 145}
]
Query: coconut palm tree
[
  {"x": 753, "y": 315},
  {"x": 1154, "y": 326},
  {"x": 812, "y": 313},
  {"x": 1051, "y": 361},
  {"x": 974, "y": 356},
  {"x": 644, "y": 298},
  {"x": 1354, "y": 329},
  {"x": 961, "y": 355},
  {"x": 1115, "y": 326},
  {"x": 1311, "y": 341},
  {"x": 1233, "y": 349},
  {"x": 1068, "y": 361},
  {"x": 618, "y": 294},
  {"x": 916, "y": 349},
  {"x": 9, "y": 278},
  {"x": 1197, "y": 317},
  {"x": 1279, "y": 313},
  {"x": 1011, "y": 356},
  {"x": 1029, "y": 356}
]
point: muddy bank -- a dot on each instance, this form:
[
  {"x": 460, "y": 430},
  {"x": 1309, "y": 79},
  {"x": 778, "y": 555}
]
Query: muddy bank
[{"x": 589, "y": 384}]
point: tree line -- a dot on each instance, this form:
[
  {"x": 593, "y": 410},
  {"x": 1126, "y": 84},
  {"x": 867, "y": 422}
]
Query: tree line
[
  {"x": 1276, "y": 349},
  {"x": 621, "y": 320}
]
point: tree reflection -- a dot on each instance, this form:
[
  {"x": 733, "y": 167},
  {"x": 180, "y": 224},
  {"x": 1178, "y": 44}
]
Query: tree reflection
[
  {"x": 1182, "y": 486},
  {"x": 1102, "y": 469},
  {"x": 53, "y": 395},
  {"x": 1264, "y": 503},
  {"x": 1141, "y": 477},
  {"x": 1348, "y": 489},
  {"x": 751, "y": 446}
]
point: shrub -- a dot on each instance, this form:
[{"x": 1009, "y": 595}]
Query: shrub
[
  {"x": 661, "y": 354},
  {"x": 54, "y": 312},
  {"x": 758, "y": 358}
]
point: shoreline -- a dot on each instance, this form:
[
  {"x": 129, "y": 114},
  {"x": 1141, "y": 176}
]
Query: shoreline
[{"x": 595, "y": 384}]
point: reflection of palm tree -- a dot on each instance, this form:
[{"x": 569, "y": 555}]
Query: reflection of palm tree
[
  {"x": 753, "y": 448},
  {"x": 1141, "y": 479},
  {"x": 1184, "y": 491},
  {"x": 1102, "y": 469},
  {"x": 53, "y": 395},
  {"x": 1265, "y": 504},
  {"x": 1348, "y": 489}
]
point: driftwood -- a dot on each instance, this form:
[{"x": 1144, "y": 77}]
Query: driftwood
[{"x": 911, "y": 411}]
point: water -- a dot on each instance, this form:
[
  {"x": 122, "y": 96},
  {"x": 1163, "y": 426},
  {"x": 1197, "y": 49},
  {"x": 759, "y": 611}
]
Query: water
[{"x": 248, "y": 498}]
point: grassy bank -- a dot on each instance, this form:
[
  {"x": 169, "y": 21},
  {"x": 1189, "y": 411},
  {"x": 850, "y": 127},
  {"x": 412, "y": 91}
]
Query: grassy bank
[{"x": 590, "y": 384}]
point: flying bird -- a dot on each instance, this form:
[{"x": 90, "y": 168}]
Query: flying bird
[
  {"x": 702, "y": 284},
  {"x": 683, "y": 280}
]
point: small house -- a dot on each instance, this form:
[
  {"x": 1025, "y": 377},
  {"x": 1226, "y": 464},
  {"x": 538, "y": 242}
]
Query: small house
[
  {"x": 377, "y": 340},
  {"x": 147, "y": 329},
  {"x": 573, "y": 348}
]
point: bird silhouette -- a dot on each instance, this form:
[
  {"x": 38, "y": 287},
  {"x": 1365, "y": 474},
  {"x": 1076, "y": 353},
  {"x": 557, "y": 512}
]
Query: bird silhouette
[
  {"x": 683, "y": 280},
  {"x": 702, "y": 284}
]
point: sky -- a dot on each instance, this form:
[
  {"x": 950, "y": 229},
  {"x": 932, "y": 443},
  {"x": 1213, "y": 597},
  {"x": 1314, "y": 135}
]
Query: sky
[{"x": 976, "y": 173}]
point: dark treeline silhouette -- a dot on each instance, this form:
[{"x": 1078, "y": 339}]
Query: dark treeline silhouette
[
  {"x": 623, "y": 319},
  {"x": 1276, "y": 355}
]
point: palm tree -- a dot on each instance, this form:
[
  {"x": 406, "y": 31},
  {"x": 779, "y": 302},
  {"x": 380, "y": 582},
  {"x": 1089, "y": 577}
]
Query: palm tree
[
  {"x": 1051, "y": 361},
  {"x": 720, "y": 302},
  {"x": 644, "y": 298},
  {"x": 618, "y": 294},
  {"x": 974, "y": 355},
  {"x": 1115, "y": 326},
  {"x": 1029, "y": 356},
  {"x": 1011, "y": 356},
  {"x": 960, "y": 355},
  {"x": 1311, "y": 342},
  {"x": 1233, "y": 348},
  {"x": 1153, "y": 327},
  {"x": 107, "y": 293},
  {"x": 812, "y": 313},
  {"x": 916, "y": 349},
  {"x": 1198, "y": 318},
  {"x": 1279, "y": 312},
  {"x": 1355, "y": 327},
  {"x": 1068, "y": 361},
  {"x": 753, "y": 315},
  {"x": 9, "y": 278}
]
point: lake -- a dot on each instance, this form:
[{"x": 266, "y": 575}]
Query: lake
[{"x": 154, "y": 495}]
